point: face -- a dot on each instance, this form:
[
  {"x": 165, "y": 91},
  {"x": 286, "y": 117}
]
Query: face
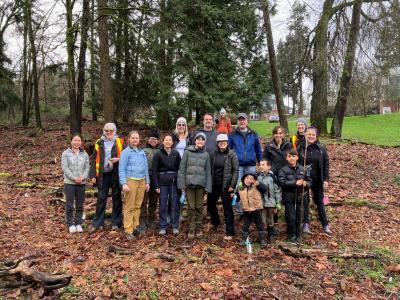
[
  {"x": 301, "y": 127},
  {"x": 168, "y": 142},
  {"x": 311, "y": 136},
  {"x": 109, "y": 133},
  {"x": 199, "y": 142},
  {"x": 208, "y": 121},
  {"x": 264, "y": 166},
  {"x": 223, "y": 145},
  {"x": 134, "y": 140},
  {"x": 181, "y": 127},
  {"x": 292, "y": 159},
  {"x": 76, "y": 142},
  {"x": 153, "y": 141},
  {"x": 278, "y": 136},
  {"x": 242, "y": 123},
  {"x": 249, "y": 180},
  {"x": 223, "y": 115}
]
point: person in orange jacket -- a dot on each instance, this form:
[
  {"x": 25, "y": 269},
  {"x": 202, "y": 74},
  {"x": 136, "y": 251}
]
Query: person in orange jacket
[{"x": 224, "y": 123}]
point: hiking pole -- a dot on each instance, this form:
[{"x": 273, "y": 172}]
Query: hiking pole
[{"x": 303, "y": 192}]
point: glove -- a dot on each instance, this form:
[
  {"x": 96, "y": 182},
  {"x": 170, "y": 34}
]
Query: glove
[{"x": 278, "y": 206}]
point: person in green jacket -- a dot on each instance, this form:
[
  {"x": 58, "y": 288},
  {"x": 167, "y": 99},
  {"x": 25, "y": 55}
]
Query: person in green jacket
[{"x": 194, "y": 179}]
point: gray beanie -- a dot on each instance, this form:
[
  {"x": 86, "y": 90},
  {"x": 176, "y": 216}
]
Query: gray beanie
[
  {"x": 223, "y": 111},
  {"x": 200, "y": 134},
  {"x": 222, "y": 137},
  {"x": 301, "y": 120}
]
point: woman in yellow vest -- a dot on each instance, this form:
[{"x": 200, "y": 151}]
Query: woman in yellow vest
[{"x": 104, "y": 173}]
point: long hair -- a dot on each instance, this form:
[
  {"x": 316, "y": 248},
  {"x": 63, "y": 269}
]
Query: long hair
[{"x": 181, "y": 120}]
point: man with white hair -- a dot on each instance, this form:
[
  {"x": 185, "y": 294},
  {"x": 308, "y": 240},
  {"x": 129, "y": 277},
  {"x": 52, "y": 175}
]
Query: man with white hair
[{"x": 104, "y": 173}]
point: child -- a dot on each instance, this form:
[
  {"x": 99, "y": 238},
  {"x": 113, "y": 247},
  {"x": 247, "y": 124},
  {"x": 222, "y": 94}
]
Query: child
[
  {"x": 135, "y": 180},
  {"x": 75, "y": 165},
  {"x": 194, "y": 178},
  {"x": 252, "y": 204},
  {"x": 295, "y": 183},
  {"x": 272, "y": 198},
  {"x": 165, "y": 169}
]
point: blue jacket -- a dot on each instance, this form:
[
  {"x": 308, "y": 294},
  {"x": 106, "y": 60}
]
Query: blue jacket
[
  {"x": 133, "y": 164},
  {"x": 248, "y": 149}
]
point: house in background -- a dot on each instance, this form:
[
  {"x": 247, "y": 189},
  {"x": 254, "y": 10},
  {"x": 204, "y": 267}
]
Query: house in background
[{"x": 390, "y": 101}]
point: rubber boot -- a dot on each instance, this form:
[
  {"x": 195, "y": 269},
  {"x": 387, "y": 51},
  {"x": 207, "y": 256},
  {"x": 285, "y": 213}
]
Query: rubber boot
[
  {"x": 271, "y": 234},
  {"x": 245, "y": 235},
  {"x": 262, "y": 238}
]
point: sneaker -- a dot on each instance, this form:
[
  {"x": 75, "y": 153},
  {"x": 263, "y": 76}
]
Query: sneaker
[
  {"x": 191, "y": 234},
  {"x": 93, "y": 228},
  {"x": 327, "y": 230},
  {"x": 114, "y": 228},
  {"x": 72, "y": 229},
  {"x": 162, "y": 232},
  {"x": 293, "y": 239},
  {"x": 306, "y": 228},
  {"x": 228, "y": 237},
  {"x": 129, "y": 236},
  {"x": 79, "y": 228},
  {"x": 175, "y": 231}
]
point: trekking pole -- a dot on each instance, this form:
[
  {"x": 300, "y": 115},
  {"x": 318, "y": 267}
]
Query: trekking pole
[{"x": 303, "y": 192}]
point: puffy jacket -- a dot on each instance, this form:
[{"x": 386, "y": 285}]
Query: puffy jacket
[
  {"x": 273, "y": 195},
  {"x": 231, "y": 169},
  {"x": 133, "y": 164},
  {"x": 74, "y": 165},
  {"x": 150, "y": 151},
  {"x": 277, "y": 155},
  {"x": 92, "y": 171},
  {"x": 195, "y": 169},
  {"x": 248, "y": 149},
  {"x": 288, "y": 176},
  {"x": 165, "y": 167},
  {"x": 318, "y": 159},
  {"x": 211, "y": 139},
  {"x": 251, "y": 198}
]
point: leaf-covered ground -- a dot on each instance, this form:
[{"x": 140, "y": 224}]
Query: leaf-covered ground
[{"x": 365, "y": 186}]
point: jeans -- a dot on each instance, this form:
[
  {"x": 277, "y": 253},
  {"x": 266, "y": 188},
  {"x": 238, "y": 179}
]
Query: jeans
[
  {"x": 243, "y": 170},
  {"x": 169, "y": 194},
  {"x": 248, "y": 216},
  {"x": 74, "y": 194},
  {"x": 227, "y": 204},
  {"x": 318, "y": 197},
  {"x": 116, "y": 216}
]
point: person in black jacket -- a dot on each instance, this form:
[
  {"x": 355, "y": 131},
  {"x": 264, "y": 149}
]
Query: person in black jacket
[
  {"x": 225, "y": 173},
  {"x": 165, "y": 170},
  {"x": 318, "y": 160},
  {"x": 295, "y": 183}
]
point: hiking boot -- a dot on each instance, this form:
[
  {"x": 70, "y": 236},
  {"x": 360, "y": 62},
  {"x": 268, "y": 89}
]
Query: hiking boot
[
  {"x": 292, "y": 239},
  {"x": 175, "y": 231},
  {"x": 327, "y": 230},
  {"x": 72, "y": 229},
  {"x": 79, "y": 228},
  {"x": 190, "y": 234},
  {"x": 306, "y": 228},
  {"x": 162, "y": 232},
  {"x": 261, "y": 237},
  {"x": 114, "y": 228},
  {"x": 245, "y": 235},
  {"x": 129, "y": 236},
  {"x": 93, "y": 229}
]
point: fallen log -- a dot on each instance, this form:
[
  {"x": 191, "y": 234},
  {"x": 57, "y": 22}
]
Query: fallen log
[
  {"x": 167, "y": 257},
  {"x": 312, "y": 252}
]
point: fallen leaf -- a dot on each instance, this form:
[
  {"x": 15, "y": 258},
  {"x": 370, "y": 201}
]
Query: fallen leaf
[
  {"x": 81, "y": 282},
  {"x": 320, "y": 266},
  {"x": 14, "y": 294},
  {"x": 330, "y": 291},
  {"x": 224, "y": 272},
  {"x": 393, "y": 269},
  {"x": 107, "y": 291},
  {"x": 205, "y": 286}
]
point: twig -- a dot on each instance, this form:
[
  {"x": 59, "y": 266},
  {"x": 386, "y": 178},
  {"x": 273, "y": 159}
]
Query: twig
[{"x": 119, "y": 250}]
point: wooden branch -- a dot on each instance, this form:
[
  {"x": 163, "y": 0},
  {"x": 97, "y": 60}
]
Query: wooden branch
[
  {"x": 167, "y": 257},
  {"x": 291, "y": 272},
  {"x": 120, "y": 250}
]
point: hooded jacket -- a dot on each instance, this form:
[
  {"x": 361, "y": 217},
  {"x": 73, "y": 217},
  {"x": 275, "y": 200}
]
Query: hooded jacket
[
  {"x": 74, "y": 165},
  {"x": 273, "y": 195},
  {"x": 277, "y": 155},
  {"x": 195, "y": 169},
  {"x": 231, "y": 168},
  {"x": 165, "y": 167},
  {"x": 247, "y": 148},
  {"x": 288, "y": 176},
  {"x": 251, "y": 198}
]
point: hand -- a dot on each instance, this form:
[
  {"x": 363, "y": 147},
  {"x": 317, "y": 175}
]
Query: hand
[
  {"x": 231, "y": 189},
  {"x": 93, "y": 180},
  {"x": 183, "y": 190},
  {"x": 147, "y": 187},
  {"x": 78, "y": 179},
  {"x": 326, "y": 184},
  {"x": 114, "y": 160},
  {"x": 299, "y": 182},
  {"x": 125, "y": 188},
  {"x": 256, "y": 183},
  {"x": 158, "y": 190}
]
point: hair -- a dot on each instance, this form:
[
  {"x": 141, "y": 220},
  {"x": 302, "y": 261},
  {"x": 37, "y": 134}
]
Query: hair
[
  {"x": 181, "y": 120},
  {"x": 266, "y": 160},
  {"x": 75, "y": 135},
  {"x": 208, "y": 114},
  {"x": 293, "y": 152},
  {"x": 313, "y": 128},
  {"x": 276, "y": 128},
  {"x": 110, "y": 126},
  {"x": 133, "y": 132},
  {"x": 168, "y": 134}
]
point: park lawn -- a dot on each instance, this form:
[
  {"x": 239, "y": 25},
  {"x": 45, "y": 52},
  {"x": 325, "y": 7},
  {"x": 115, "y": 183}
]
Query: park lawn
[{"x": 383, "y": 130}]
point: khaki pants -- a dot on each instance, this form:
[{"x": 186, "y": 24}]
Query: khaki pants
[
  {"x": 268, "y": 216},
  {"x": 195, "y": 197},
  {"x": 132, "y": 203}
]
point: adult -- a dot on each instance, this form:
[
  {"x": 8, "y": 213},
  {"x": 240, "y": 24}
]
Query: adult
[
  {"x": 276, "y": 150},
  {"x": 165, "y": 170},
  {"x": 104, "y": 173},
  {"x": 209, "y": 131},
  {"x": 225, "y": 174},
  {"x": 75, "y": 165},
  {"x": 148, "y": 217},
  {"x": 180, "y": 136},
  {"x": 299, "y": 139},
  {"x": 246, "y": 144},
  {"x": 317, "y": 158},
  {"x": 224, "y": 124}
]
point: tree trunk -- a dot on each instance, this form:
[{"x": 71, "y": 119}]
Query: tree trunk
[
  {"x": 34, "y": 66},
  {"x": 301, "y": 100},
  {"x": 25, "y": 107},
  {"x": 345, "y": 81},
  {"x": 93, "y": 67},
  {"x": 82, "y": 61},
  {"x": 105, "y": 71},
  {"x": 274, "y": 68}
]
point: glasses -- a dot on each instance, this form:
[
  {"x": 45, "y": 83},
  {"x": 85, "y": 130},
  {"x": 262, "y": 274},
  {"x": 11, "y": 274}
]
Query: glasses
[
  {"x": 153, "y": 139},
  {"x": 181, "y": 125},
  {"x": 108, "y": 130}
]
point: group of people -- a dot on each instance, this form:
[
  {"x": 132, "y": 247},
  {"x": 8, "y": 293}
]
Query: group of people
[{"x": 215, "y": 160}]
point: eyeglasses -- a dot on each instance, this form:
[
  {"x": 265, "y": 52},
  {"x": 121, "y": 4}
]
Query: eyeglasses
[
  {"x": 181, "y": 125},
  {"x": 108, "y": 130},
  {"x": 153, "y": 139}
]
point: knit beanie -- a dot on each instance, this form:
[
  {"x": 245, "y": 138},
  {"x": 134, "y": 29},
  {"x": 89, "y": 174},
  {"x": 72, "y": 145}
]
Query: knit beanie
[
  {"x": 301, "y": 120},
  {"x": 223, "y": 111},
  {"x": 153, "y": 132}
]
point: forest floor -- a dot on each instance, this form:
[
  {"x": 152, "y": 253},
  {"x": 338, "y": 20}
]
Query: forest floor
[{"x": 364, "y": 192}]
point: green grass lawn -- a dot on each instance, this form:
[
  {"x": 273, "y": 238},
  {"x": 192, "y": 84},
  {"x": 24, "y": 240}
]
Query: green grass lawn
[{"x": 374, "y": 129}]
